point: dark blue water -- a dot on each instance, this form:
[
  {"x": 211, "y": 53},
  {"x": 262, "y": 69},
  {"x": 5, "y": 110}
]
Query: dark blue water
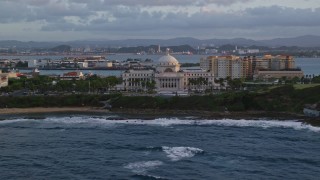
[
  {"x": 310, "y": 66},
  {"x": 84, "y": 147}
]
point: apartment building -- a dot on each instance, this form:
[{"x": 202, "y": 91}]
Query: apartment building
[
  {"x": 250, "y": 66},
  {"x": 224, "y": 66}
]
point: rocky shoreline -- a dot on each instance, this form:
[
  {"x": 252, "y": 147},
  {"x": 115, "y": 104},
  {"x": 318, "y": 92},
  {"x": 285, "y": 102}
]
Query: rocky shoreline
[
  {"x": 209, "y": 114},
  {"x": 248, "y": 115},
  {"x": 149, "y": 114},
  {"x": 38, "y": 110}
]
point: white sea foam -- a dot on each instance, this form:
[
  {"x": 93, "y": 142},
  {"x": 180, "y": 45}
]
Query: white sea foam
[
  {"x": 12, "y": 121},
  {"x": 78, "y": 121},
  {"x": 101, "y": 121},
  {"x": 143, "y": 166},
  {"x": 158, "y": 122},
  {"x": 261, "y": 123},
  {"x": 224, "y": 122},
  {"x": 178, "y": 153}
]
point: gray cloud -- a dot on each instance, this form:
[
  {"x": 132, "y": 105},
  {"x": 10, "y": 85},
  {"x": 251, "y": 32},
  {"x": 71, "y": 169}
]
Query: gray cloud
[
  {"x": 34, "y": 10},
  {"x": 134, "y": 17},
  {"x": 53, "y": 11},
  {"x": 160, "y": 2}
]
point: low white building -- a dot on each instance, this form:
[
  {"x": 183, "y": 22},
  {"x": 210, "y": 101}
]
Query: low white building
[
  {"x": 103, "y": 64},
  {"x": 38, "y": 63},
  {"x": 265, "y": 74},
  {"x": 134, "y": 80},
  {"x": 83, "y": 64}
]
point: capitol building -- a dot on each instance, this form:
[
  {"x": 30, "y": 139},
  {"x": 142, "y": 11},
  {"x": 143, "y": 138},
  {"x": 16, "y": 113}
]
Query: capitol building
[{"x": 168, "y": 78}]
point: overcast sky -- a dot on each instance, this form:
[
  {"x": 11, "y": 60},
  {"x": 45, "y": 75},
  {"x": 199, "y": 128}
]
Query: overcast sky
[{"x": 63, "y": 20}]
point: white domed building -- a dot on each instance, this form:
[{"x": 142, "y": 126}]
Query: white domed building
[
  {"x": 168, "y": 78},
  {"x": 168, "y": 63}
]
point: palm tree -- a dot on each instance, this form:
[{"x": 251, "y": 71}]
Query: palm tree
[
  {"x": 151, "y": 85},
  {"x": 221, "y": 82},
  {"x": 191, "y": 82},
  {"x": 201, "y": 81},
  {"x": 284, "y": 79}
]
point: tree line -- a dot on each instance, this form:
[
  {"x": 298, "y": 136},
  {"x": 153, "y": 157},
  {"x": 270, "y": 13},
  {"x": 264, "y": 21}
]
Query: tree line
[{"x": 44, "y": 84}]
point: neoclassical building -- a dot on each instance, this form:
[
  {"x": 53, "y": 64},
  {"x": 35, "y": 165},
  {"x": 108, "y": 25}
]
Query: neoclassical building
[{"x": 168, "y": 78}]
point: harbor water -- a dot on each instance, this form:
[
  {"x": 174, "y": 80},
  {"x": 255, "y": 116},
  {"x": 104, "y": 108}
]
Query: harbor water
[{"x": 310, "y": 66}]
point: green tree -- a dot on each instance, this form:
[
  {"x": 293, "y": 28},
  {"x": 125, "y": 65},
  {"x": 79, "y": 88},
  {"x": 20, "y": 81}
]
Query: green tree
[
  {"x": 295, "y": 80},
  {"x": 151, "y": 85},
  {"x": 235, "y": 83},
  {"x": 22, "y": 64},
  {"x": 316, "y": 79}
]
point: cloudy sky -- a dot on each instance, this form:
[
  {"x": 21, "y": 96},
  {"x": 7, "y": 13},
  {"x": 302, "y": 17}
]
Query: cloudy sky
[{"x": 63, "y": 20}]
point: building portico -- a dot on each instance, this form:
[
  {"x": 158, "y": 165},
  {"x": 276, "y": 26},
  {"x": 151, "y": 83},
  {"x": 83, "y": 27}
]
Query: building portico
[{"x": 168, "y": 78}]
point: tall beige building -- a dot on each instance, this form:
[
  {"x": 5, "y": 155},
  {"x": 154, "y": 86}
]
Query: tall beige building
[
  {"x": 282, "y": 63},
  {"x": 246, "y": 67},
  {"x": 224, "y": 66}
]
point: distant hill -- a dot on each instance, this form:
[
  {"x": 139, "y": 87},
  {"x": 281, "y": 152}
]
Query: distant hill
[
  {"x": 154, "y": 48},
  {"x": 61, "y": 48},
  {"x": 175, "y": 42},
  {"x": 301, "y": 41},
  {"x": 29, "y": 44}
]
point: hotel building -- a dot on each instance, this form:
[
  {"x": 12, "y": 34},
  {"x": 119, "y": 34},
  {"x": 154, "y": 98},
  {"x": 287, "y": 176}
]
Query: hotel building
[
  {"x": 265, "y": 67},
  {"x": 224, "y": 66}
]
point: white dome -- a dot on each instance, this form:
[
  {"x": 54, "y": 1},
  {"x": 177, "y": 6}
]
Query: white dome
[{"x": 168, "y": 60}]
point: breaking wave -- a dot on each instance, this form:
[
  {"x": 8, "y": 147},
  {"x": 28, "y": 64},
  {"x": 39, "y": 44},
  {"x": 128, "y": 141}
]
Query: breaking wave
[
  {"x": 225, "y": 122},
  {"x": 178, "y": 153},
  {"x": 143, "y": 166},
  {"x": 262, "y": 124},
  {"x": 12, "y": 121},
  {"x": 103, "y": 121},
  {"x": 149, "y": 177}
]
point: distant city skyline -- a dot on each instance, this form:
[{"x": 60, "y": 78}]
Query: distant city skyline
[{"x": 67, "y": 20}]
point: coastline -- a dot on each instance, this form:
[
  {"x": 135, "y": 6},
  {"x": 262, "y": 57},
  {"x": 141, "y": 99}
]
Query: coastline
[
  {"x": 17, "y": 111},
  {"x": 202, "y": 114},
  {"x": 149, "y": 114}
]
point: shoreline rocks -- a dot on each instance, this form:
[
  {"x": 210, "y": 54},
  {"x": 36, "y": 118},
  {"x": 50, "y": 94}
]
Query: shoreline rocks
[{"x": 149, "y": 114}]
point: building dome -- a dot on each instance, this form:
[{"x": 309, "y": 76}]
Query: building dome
[
  {"x": 168, "y": 64},
  {"x": 168, "y": 60}
]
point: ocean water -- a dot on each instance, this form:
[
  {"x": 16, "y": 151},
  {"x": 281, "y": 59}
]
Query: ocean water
[{"x": 92, "y": 147}]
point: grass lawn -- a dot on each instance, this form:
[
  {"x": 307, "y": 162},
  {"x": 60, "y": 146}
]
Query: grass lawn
[
  {"x": 296, "y": 86},
  {"x": 303, "y": 86}
]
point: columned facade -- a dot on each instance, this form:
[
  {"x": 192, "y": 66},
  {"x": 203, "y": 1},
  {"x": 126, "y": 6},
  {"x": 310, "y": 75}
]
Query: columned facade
[
  {"x": 169, "y": 82},
  {"x": 168, "y": 78}
]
